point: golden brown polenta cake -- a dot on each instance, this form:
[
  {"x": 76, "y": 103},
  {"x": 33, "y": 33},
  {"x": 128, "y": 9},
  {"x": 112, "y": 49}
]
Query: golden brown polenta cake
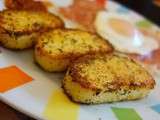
[
  {"x": 102, "y": 78},
  {"x": 20, "y": 29}
]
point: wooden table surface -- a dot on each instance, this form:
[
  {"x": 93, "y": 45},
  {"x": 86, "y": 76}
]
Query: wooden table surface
[{"x": 8, "y": 113}]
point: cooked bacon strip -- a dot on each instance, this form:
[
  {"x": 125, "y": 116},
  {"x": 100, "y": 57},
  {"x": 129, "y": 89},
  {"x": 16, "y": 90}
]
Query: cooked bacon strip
[
  {"x": 84, "y": 12},
  {"x": 152, "y": 58}
]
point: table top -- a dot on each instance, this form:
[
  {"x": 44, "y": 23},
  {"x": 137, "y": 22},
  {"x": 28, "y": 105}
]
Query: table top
[{"x": 6, "y": 113}]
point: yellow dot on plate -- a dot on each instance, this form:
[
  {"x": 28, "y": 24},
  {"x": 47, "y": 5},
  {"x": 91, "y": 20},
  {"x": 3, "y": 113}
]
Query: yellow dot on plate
[{"x": 60, "y": 107}]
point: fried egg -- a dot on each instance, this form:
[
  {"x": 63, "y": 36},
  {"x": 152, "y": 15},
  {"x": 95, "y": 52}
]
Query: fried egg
[{"x": 122, "y": 33}]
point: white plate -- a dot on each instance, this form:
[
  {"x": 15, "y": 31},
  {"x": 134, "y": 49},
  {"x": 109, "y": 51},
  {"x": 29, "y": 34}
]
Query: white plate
[{"x": 43, "y": 98}]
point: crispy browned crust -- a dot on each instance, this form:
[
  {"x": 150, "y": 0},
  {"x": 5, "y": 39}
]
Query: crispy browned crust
[
  {"x": 30, "y": 5},
  {"x": 74, "y": 29},
  {"x": 75, "y": 72},
  {"x": 59, "y": 23},
  {"x": 85, "y": 103},
  {"x": 10, "y": 37},
  {"x": 71, "y": 56},
  {"x": 70, "y": 96},
  {"x": 6, "y": 37},
  {"x": 111, "y": 49},
  {"x": 40, "y": 51}
]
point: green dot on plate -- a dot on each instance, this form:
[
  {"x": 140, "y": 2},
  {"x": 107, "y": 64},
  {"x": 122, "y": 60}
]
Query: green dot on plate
[
  {"x": 144, "y": 23},
  {"x": 126, "y": 114}
]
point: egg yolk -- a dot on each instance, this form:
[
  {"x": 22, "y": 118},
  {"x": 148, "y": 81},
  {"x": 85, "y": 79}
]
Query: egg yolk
[{"x": 121, "y": 27}]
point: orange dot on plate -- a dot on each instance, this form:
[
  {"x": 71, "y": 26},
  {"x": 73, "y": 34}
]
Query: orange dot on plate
[{"x": 12, "y": 77}]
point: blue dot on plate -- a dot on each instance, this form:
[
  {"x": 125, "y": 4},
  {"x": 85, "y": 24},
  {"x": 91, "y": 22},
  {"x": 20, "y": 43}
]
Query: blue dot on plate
[
  {"x": 122, "y": 9},
  {"x": 156, "y": 108}
]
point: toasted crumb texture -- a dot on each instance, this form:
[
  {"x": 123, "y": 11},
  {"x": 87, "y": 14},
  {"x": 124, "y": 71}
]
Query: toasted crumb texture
[
  {"x": 106, "y": 78},
  {"x": 57, "y": 48},
  {"x": 20, "y": 29},
  {"x": 31, "y": 5}
]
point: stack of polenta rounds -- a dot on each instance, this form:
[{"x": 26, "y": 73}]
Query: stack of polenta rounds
[{"x": 94, "y": 72}]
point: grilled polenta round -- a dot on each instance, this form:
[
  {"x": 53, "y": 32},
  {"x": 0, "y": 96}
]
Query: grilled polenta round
[
  {"x": 106, "y": 78},
  {"x": 57, "y": 48},
  {"x": 20, "y": 29}
]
